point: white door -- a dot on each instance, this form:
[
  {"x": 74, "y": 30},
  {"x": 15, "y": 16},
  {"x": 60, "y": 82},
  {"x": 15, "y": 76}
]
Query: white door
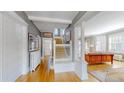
[
  {"x": 80, "y": 65},
  {"x": 47, "y": 46}
]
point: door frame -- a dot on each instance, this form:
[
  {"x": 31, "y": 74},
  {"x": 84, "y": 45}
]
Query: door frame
[{"x": 43, "y": 49}]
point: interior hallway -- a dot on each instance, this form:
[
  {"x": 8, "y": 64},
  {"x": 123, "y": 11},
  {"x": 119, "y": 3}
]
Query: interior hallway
[{"x": 43, "y": 74}]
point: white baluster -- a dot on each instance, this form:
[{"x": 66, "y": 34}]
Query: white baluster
[
  {"x": 54, "y": 55},
  {"x": 71, "y": 50}
]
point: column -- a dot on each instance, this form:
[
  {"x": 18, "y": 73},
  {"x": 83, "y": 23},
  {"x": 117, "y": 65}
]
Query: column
[{"x": 84, "y": 64}]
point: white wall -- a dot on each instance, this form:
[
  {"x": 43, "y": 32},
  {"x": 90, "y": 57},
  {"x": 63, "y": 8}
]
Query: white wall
[
  {"x": 105, "y": 21},
  {"x": 24, "y": 38},
  {"x": 0, "y": 47},
  {"x": 31, "y": 27},
  {"x": 12, "y": 64}
]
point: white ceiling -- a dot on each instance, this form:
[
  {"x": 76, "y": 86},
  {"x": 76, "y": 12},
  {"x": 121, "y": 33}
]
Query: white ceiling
[
  {"x": 47, "y": 21},
  {"x": 49, "y": 26},
  {"x": 104, "y": 22}
]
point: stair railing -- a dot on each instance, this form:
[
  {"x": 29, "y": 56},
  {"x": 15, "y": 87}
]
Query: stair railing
[
  {"x": 54, "y": 51},
  {"x": 64, "y": 46}
]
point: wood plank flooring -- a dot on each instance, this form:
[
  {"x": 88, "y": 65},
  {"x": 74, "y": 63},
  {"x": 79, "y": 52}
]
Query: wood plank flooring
[
  {"x": 116, "y": 64},
  {"x": 42, "y": 74}
]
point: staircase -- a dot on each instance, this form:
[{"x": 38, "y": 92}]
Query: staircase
[
  {"x": 58, "y": 40},
  {"x": 62, "y": 56},
  {"x": 60, "y": 51}
]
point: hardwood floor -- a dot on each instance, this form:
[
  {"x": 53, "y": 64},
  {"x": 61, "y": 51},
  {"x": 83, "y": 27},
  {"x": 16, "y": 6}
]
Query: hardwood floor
[
  {"x": 116, "y": 64},
  {"x": 42, "y": 74},
  {"x": 108, "y": 72}
]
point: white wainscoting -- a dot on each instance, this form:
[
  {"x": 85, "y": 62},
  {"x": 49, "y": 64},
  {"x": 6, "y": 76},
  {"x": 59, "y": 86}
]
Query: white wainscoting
[
  {"x": 81, "y": 70},
  {"x": 35, "y": 59},
  {"x": 64, "y": 67},
  {"x": 13, "y": 47}
]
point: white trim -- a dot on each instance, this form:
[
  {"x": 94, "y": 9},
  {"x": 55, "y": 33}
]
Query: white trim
[
  {"x": 47, "y": 19},
  {"x": 84, "y": 64},
  {"x": 54, "y": 52},
  {"x": 57, "y": 37},
  {"x": 43, "y": 45},
  {"x": 63, "y": 45},
  {"x": 25, "y": 50},
  {"x": 63, "y": 59},
  {"x": 81, "y": 65}
]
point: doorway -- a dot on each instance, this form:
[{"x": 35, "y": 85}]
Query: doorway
[{"x": 47, "y": 47}]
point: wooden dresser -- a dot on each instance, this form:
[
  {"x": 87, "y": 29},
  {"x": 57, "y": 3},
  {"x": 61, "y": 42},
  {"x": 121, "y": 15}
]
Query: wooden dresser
[{"x": 95, "y": 58}]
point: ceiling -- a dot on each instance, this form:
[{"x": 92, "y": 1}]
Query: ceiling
[
  {"x": 47, "y": 21},
  {"x": 103, "y": 22}
]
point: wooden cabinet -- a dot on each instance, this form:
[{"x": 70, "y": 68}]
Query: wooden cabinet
[{"x": 98, "y": 58}]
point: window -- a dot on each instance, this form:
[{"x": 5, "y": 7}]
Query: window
[
  {"x": 116, "y": 42},
  {"x": 62, "y": 31},
  {"x": 56, "y": 32},
  {"x": 87, "y": 46},
  {"x": 59, "y": 32},
  {"x": 101, "y": 43}
]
